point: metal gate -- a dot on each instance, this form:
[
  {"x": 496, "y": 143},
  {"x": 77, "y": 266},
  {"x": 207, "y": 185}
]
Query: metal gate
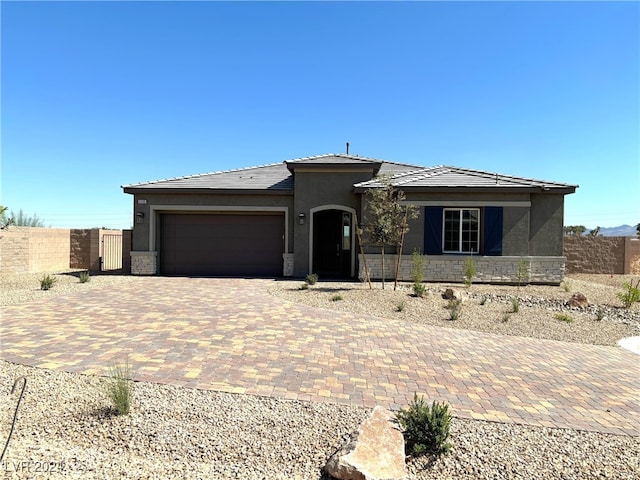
[{"x": 111, "y": 258}]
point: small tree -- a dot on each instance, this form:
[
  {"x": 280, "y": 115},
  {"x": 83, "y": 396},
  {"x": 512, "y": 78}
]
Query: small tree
[
  {"x": 4, "y": 220},
  {"x": 386, "y": 220},
  {"x": 595, "y": 232},
  {"x": 638, "y": 229},
  {"x": 574, "y": 230}
]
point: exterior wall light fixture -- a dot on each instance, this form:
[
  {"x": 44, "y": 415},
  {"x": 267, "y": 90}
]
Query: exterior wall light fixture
[
  {"x": 301, "y": 217},
  {"x": 139, "y": 217}
]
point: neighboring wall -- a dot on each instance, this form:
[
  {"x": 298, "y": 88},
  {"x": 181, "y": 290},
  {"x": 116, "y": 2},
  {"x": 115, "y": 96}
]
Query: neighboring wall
[
  {"x": 613, "y": 255},
  {"x": 34, "y": 249}
]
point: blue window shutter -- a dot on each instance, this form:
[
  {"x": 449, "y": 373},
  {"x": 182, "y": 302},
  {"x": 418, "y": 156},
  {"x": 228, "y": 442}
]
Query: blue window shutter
[
  {"x": 493, "y": 231},
  {"x": 433, "y": 230}
]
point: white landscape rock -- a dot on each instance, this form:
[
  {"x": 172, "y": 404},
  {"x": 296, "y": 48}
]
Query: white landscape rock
[{"x": 375, "y": 452}]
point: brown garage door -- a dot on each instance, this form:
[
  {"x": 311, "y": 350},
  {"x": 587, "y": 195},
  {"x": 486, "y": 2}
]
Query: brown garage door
[{"x": 220, "y": 244}]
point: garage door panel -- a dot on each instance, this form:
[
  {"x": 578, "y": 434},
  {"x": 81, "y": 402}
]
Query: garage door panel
[{"x": 216, "y": 244}]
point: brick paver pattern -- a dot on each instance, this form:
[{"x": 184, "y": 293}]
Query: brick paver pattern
[{"x": 230, "y": 335}]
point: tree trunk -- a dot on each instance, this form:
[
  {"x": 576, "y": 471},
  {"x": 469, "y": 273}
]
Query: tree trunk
[
  {"x": 364, "y": 258},
  {"x": 404, "y": 229},
  {"x": 382, "y": 252}
]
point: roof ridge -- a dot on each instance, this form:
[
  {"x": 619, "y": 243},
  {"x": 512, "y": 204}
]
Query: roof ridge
[
  {"x": 340, "y": 155},
  {"x": 197, "y": 175}
]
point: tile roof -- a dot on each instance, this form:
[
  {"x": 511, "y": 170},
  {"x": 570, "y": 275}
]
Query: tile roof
[
  {"x": 274, "y": 176},
  {"x": 454, "y": 177},
  {"x": 277, "y": 177}
]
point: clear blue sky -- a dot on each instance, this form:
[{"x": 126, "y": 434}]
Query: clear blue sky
[{"x": 100, "y": 94}]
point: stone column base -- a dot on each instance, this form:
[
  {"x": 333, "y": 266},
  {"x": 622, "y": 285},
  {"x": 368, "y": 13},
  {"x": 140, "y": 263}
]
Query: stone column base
[{"x": 144, "y": 263}]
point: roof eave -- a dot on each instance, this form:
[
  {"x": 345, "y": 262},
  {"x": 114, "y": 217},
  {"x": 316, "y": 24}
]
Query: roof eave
[
  {"x": 207, "y": 191},
  {"x": 565, "y": 190}
]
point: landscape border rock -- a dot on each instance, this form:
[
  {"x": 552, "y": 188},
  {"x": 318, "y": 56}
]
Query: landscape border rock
[{"x": 374, "y": 452}]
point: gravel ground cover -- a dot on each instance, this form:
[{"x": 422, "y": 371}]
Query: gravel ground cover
[
  {"x": 538, "y": 305},
  {"x": 66, "y": 429}
]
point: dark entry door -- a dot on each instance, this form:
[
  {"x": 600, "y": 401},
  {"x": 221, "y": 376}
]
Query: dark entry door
[{"x": 332, "y": 243}]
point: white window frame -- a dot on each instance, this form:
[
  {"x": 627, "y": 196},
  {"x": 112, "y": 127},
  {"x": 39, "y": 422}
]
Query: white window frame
[{"x": 444, "y": 232}]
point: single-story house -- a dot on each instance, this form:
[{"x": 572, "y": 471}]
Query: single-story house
[{"x": 298, "y": 217}]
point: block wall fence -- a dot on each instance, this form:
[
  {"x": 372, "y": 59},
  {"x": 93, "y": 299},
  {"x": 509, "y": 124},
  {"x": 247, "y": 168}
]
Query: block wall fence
[
  {"x": 35, "y": 249},
  {"x": 613, "y": 255}
]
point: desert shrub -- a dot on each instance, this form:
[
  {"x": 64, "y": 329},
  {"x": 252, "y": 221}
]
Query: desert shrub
[
  {"x": 469, "y": 271},
  {"x": 419, "y": 289},
  {"x": 120, "y": 388},
  {"x": 426, "y": 429},
  {"x": 563, "y": 317},
  {"x": 600, "y": 314},
  {"x": 304, "y": 286},
  {"x": 47, "y": 282},
  {"x": 417, "y": 273},
  {"x": 515, "y": 305},
  {"x": 630, "y": 294},
  {"x": 84, "y": 277},
  {"x": 337, "y": 297},
  {"x": 455, "y": 308},
  {"x": 505, "y": 317},
  {"x": 311, "y": 279},
  {"x": 566, "y": 286},
  {"x": 400, "y": 307},
  {"x": 522, "y": 274},
  {"x": 483, "y": 299}
]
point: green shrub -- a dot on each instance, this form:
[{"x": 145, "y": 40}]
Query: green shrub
[
  {"x": 400, "y": 307},
  {"x": 469, "y": 271},
  {"x": 630, "y": 294},
  {"x": 337, "y": 297},
  {"x": 515, "y": 305},
  {"x": 84, "y": 277},
  {"x": 563, "y": 317},
  {"x": 426, "y": 430},
  {"x": 455, "y": 309},
  {"x": 600, "y": 314},
  {"x": 505, "y": 317},
  {"x": 419, "y": 289},
  {"x": 522, "y": 274},
  {"x": 120, "y": 388},
  {"x": 304, "y": 286},
  {"x": 483, "y": 299},
  {"x": 566, "y": 285},
  {"x": 311, "y": 279},
  {"x": 47, "y": 282}
]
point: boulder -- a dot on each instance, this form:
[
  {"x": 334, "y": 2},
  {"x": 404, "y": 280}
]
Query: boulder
[
  {"x": 375, "y": 451},
  {"x": 578, "y": 300},
  {"x": 453, "y": 294}
]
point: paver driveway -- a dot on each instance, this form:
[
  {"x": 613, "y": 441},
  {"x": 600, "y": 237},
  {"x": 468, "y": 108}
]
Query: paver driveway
[{"x": 230, "y": 335}]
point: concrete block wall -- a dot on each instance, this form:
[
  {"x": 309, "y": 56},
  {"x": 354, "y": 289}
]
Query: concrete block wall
[
  {"x": 612, "y": 255},
  {"x": 450, "y": 268},
  {"x": 34, "y": 249}
]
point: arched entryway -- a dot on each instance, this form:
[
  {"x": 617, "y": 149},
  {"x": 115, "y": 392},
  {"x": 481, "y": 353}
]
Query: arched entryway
[{"x": 332, "y": 247}]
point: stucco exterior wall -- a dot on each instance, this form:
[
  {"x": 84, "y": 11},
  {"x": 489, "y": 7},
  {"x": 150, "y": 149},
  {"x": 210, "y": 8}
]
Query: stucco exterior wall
[
  {"x": 515, "y": 231},
  {"x": 316, "y": 189},
  {"x": 546, "y": 232}
]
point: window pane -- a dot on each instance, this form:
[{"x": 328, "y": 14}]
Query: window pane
[
  {"x": 470, "y": 230},
  {"x": 452, "y": 230}
]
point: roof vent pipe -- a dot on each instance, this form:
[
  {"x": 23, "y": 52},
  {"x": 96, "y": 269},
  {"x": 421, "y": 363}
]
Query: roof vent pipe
[{"x": 347, "y": 148}]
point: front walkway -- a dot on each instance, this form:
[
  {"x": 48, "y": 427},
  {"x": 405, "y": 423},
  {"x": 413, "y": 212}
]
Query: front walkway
[{"x": 229, "y": 335}]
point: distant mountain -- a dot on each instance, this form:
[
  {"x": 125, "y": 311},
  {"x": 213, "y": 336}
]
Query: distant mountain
[{"x": 619, "y": 231}]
